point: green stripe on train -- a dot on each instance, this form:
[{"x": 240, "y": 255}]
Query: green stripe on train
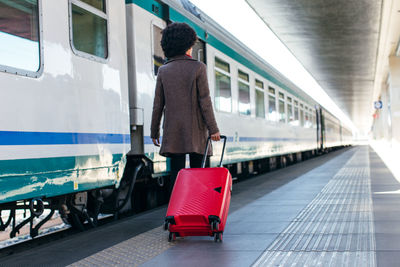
[{"x": 48, "y": 177}]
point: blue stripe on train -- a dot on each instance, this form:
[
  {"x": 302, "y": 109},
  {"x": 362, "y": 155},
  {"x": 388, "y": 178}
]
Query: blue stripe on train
[
  {"x": 148, "y": 141},
  {"x": 13, "y": 138}
]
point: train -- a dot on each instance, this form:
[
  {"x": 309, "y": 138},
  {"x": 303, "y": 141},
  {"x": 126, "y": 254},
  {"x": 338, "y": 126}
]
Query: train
[{"x": 77, "y": 85}]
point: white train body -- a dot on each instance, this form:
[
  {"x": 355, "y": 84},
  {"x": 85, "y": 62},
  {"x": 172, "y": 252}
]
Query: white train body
[
  {"x": 72, "y": 124},
  {"x": 249, "y": 137},
  {"x": 69, "y": 117}
]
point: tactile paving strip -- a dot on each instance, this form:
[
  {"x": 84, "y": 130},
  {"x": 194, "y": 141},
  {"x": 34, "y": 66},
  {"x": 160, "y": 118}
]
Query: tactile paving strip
[
  {"x": 131, "y": 252},
  {"x": 336, "y": 228}
]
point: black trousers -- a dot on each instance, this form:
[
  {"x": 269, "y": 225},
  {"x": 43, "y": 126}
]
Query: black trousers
[{"x": 178, "y": 162}]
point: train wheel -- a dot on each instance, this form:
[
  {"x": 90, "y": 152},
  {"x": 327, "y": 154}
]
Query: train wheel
[
  {"x": 77, "y": 213},
  {"x": 282, "y": 162},
  {"x": 151, "y": 198},
  {"x": 75, "y": 220},
  {"x": 272, "y": 164}
]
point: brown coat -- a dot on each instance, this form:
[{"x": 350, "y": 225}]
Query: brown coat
[{"x": 182, "y": 94}]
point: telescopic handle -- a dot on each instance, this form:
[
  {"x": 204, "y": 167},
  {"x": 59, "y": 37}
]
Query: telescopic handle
[{"x": 203, "y": 163}]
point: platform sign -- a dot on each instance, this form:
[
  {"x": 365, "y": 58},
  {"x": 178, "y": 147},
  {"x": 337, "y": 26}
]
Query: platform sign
[{"x": 378, "y": 104}]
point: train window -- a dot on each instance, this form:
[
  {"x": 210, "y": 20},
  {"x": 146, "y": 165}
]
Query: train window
[
  {"x": 243, "y": 76},
  {"x": 260, "y": 106},
  {"x": 301, "y": 116},
  {"x": 99, "y": 4},
  {"x": 259, "y": 84},
  {"x": 222, "y": 65},
  {"x": 310, "y": 117},
  {"x": 244, "y": 93},
  {"x": 271, "y": 90},
  {"x": 89, "y": 29},
  {"x": 199, "y": 51},
  {"x": 289, "y": 106},
  {"x": 314, "y": 122},
  {"x": 306, "y": 119},
  {"x": 272, "y": 114},
  {"x": 158, "y": 54},
  {"x": 223, "y": 96},
  {"x": 281, "y": 106},
  {"x": 19, "y": 36},
  {"x": 296, "y": 113}
]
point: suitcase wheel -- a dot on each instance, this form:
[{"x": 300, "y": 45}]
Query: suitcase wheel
[
  {"x": 214, "y": 222},
  {"x": 171, "y": 237},
  {"x": 214, "y": 226},
  {"x": 166, "y": 226},
  {"x": 168, "y": 221},
  {"x": 218, "y": 237}
]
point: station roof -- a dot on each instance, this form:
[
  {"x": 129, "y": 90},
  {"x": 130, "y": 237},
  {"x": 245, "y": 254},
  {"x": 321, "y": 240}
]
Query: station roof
[{"x": 336, "y": 41}]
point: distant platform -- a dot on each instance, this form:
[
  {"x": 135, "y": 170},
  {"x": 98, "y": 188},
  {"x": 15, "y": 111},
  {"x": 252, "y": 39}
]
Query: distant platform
[{"x": 341, "y": 209}]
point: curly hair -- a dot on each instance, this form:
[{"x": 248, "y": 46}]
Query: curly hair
[{"x": 177, "y": 38}]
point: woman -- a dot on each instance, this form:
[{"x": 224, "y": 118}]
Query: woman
[{"x": 182, "y": 94}]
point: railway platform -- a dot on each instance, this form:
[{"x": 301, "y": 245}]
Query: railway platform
[{"x": 340, "y": 209}]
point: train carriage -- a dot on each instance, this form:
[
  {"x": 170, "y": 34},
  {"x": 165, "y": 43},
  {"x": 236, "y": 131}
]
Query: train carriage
[
  {"x": 63, "y": 100},
  {"x": 76, "y": 106}
]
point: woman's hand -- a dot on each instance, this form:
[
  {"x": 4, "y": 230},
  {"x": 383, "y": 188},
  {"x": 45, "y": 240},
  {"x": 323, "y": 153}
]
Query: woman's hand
[
  {"x": 216, "y": 137},
  {"x": 156, "y": 141}
]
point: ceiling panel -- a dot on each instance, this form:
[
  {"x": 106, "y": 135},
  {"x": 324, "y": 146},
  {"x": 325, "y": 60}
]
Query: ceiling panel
[{"x": 336, "y": 41}]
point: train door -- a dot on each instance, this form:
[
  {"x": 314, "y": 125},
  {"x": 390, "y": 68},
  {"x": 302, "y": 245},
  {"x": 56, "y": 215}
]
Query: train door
[
  {"x": 145, "y": 56},
  {"x": 320, "y": 128},
  {"x": 323, "y": 133},
  {"x": 318, "y": 121},
  {"x": 341, "y": 133},
  {"x": 199, "y": 51}
]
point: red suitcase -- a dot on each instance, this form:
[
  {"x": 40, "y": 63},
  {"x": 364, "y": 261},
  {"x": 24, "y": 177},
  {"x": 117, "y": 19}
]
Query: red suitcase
[{"x": 200, "y": 200}]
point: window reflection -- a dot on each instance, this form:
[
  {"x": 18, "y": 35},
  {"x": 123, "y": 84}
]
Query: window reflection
[
  {"x": 244, "y": 93},
  {"x": 222, "y": 65},
  {"x": 158, "y": 53},
  {"x": 19, "y": 34},
  {"x": 223, "y": 100},
  {"x": 301, "y": 117},
  {"x": 289, "y": 110},
  {"x": 244, "y": 99},
  {"x": 296, "y": 121},
  {"x": 282, "y": 111},
  {"x": 308, "y": 122},
  {"x": 260, "y": 107},
  {"x": 99, "y": 4},
  {"x": 272, "y": 112},
  {"x": 89, "y": 32},
  {"x": 281, "y": 106}
]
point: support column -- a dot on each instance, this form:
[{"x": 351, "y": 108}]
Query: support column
[{"x": 394, "y": 89}]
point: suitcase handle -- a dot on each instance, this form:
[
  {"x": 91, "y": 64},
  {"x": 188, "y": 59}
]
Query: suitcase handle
[{"x": 203, "y": 163}]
